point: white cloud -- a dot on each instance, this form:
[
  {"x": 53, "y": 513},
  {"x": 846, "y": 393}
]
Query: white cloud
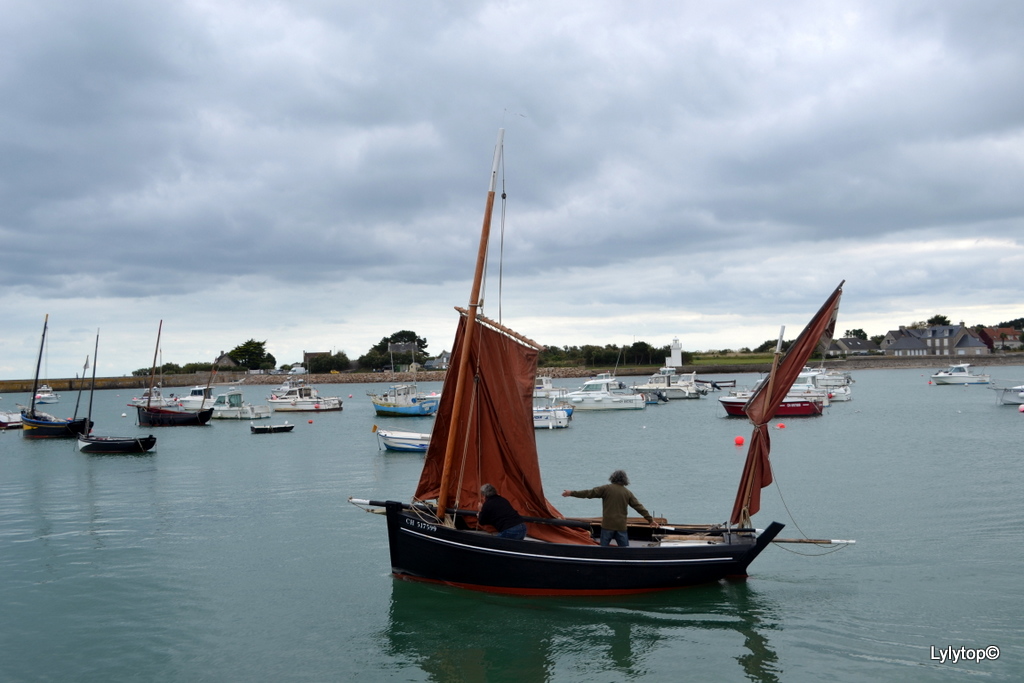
[{"x": 313, "y": 174}]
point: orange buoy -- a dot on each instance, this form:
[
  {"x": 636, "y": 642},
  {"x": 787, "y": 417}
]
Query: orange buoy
[
  {"x": 310, "y": 422},
  {"x": 738, "y": 441}
]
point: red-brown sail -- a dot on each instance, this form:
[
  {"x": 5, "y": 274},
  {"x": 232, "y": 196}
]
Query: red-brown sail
[
  {"x": 757, "y": 471},
  {"x": 497, "y": 442}
]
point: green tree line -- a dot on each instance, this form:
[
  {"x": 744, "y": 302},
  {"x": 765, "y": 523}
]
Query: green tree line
[{"x": 406, "y": 347}]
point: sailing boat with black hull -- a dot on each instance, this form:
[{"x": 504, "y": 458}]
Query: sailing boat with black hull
[
  {"x": 157, "y": 416},
  {"x": 39, "y": 425},
  {"x": 484, "y": 434},
  {"x": 90, "y": 443}
]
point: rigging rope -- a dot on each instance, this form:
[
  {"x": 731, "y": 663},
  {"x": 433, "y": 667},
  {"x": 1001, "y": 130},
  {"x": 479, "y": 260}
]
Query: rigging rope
[
  {"x": 837, "y": 546},
  {"x": 501, "y": 235}
]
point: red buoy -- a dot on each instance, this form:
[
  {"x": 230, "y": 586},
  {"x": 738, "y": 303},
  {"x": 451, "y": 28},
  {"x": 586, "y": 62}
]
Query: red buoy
[
  {"x": 739, "y": 440},
  {"x": 781, "y": 425}
]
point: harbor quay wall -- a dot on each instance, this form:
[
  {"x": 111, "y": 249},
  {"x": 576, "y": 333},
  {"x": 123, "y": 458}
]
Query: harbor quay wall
[{"x": 724, "y": 368}]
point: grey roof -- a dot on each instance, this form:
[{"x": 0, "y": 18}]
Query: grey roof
[
  {"x": 969, "y": 341},
  {"x": 857, "y": 344},
  {"x": 908, "y": 344}
]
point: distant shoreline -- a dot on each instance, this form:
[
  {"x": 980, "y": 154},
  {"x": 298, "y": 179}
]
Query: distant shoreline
[{"x": 850, "y": 365}]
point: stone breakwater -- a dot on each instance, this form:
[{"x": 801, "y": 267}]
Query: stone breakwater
[{"x": 723, "y": 368}]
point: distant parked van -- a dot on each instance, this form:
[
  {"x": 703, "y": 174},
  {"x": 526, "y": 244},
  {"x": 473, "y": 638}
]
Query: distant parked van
[{"x": 297, "y": 370}]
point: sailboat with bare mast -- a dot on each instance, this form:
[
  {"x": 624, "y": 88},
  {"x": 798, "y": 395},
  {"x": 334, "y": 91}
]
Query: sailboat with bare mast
[
  {"x": 484, "y": 433},
  {"x": 158, "y": 416},
  {"x": 92, "y": 443},
  {"x": 39, "y": 425}
]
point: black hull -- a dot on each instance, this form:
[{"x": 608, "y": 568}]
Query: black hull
[
  {"x": 270, "y": 429},
  {"x": 426, "y": 551},
  {"x": 156, "y": 417},
  {"x": 45, "y": 429},
  {"x": 115, "y": 445}
]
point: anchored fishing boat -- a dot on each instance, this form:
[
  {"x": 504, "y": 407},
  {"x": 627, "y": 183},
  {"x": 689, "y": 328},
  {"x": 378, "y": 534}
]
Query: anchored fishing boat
[{"x": 483, "y": 434}]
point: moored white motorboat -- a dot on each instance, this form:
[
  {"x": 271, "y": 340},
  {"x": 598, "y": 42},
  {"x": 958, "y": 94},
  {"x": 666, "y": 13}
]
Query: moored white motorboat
[
  {"x": 837, "y": 383},
  {"x": 10, "y": 420},
  {"x": 153, "y": 398},
  {"x": 604, "y": 392},
  {"x": 959, "y": 373},
  {"x": 550, "y": 417},
  {"x": 810, "y": 383},
  {"x": 672, "y": 386},
  {"x": 230, "y": 406},
  {"x": 47, "y": 395},
  {"x": 198, "y": 398},
  {"x": 303, "y": 399},
  {"x": 544, "y": 388},
  {"x": 1009, "y": 396},
  {"x": 290, "y": 383}
]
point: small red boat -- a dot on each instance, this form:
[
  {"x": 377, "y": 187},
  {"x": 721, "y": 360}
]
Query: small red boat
[{"x": 736, "y": 406}]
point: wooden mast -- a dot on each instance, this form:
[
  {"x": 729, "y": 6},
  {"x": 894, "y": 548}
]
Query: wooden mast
[
  {"x": 152, "y": 372},
  {"x": 39, "y": 363},
  {"x": 462, "y": 384},
  {"x": 92, "y": 388}
]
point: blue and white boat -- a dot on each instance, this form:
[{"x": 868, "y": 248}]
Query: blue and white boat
[
  {"x": 404, "y": 400},
  {"x": 408, "y": 442},
  {"x": 551, "y": 417}
]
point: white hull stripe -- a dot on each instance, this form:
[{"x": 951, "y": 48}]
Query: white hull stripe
[{"x": 556, "y": 558}]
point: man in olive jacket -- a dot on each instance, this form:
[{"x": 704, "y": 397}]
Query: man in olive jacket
[{"x": 615, "y": 497}]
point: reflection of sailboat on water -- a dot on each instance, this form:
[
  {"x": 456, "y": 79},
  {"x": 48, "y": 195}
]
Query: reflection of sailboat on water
[
  {"x": 513, "y": 639},
  {"x": 484, "y": 433}
]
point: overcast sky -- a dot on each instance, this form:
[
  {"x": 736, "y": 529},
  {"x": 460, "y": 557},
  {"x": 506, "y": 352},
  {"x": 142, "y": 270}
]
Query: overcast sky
[{"x": 313, "y": 173}]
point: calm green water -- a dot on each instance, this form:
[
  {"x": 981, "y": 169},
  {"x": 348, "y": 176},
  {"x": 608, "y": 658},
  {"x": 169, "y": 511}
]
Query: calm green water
[{"x": 225, "y": 556}]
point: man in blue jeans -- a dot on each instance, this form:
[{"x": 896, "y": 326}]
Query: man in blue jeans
[
  {"x": 615, "y": 497},
  {"x": 499, "y": 513}
]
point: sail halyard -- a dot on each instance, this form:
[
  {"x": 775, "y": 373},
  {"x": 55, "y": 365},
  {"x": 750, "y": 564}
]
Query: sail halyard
[
  {"x": 461, "y": 377},
  {"x": 766, "y": 401},
  {"x": 483, "y": 429}
]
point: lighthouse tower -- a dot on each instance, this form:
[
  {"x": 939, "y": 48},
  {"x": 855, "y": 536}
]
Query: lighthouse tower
[{"x": 676, "y": 359}]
